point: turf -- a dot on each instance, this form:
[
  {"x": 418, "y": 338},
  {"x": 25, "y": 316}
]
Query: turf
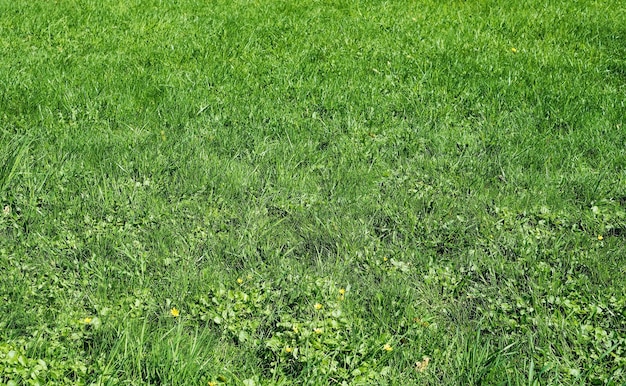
[{"x": 315, "y": 192}]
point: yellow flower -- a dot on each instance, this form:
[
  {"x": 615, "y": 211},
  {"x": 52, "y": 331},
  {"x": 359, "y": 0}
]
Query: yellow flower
[
  {"x": 288, "y": 349},
  {"x": 175, "y": 312},
  {"x": 318, "y": 330},
  {"x": 240, "y": 280},
  {"x": 513, "y": 50},
  {"x": 600, "y": 238},
  {"x": 318, "y": 306},
  {"x": 387, "y": 347},
  {"x": 295, "y": 329},
  {"x": 87, "y": 320},
  {"x": 342, "y": 291},
  {"x": 212, "y": 383},
  {"x": 385, "y": 259}
]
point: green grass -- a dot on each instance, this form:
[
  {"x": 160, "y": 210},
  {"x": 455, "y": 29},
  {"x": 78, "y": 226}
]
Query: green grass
[{"x": 326, "y": 191}]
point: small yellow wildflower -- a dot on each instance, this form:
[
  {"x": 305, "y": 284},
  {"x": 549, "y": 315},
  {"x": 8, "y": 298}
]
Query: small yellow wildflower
[
  {"x": 212, "y": 383},
  {"x": 600, "y": 237},
  {"x": 288, "y": 349},
  {"x": 318, "y": 306},
  {"x": 295, "y": 329},
  {"x": 87, "y": 320},
  {"x": 318, "y": 330},
  {"x": 240, "y": 280},
  {"x": 175, "y": 312},
  {"x": 387, "y": 347},
  {"x": 385, "y": 259},
  {"x": 342, "y": 291},
  {"x": 513, "y": 50},
  {"x": 421, "y": 366}
]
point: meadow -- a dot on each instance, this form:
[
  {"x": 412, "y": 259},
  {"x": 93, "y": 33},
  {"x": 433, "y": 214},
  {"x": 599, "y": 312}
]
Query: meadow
[{"x": 346, "y": 192}]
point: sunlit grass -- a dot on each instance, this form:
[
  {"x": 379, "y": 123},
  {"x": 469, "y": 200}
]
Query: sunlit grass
[{"x": 279, "y": 192}]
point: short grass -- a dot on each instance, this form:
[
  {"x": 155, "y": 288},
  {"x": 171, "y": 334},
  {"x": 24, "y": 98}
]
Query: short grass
[{"x": 280, "y": 192}]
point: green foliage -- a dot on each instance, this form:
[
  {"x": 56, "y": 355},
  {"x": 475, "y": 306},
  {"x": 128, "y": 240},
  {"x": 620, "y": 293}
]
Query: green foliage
[
  {"x": 181, "y": 183},
  {"x": 318, "y": 342},
  {"x": 19, "y": 369}
]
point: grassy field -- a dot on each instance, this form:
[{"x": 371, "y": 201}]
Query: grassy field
[{"x": 280, "y": 192}]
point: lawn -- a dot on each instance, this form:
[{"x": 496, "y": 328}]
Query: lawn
[{"x": 280, "y": 192}]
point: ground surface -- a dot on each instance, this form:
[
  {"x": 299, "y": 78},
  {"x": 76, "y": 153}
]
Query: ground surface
[{"x": 323, "y": 192}]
